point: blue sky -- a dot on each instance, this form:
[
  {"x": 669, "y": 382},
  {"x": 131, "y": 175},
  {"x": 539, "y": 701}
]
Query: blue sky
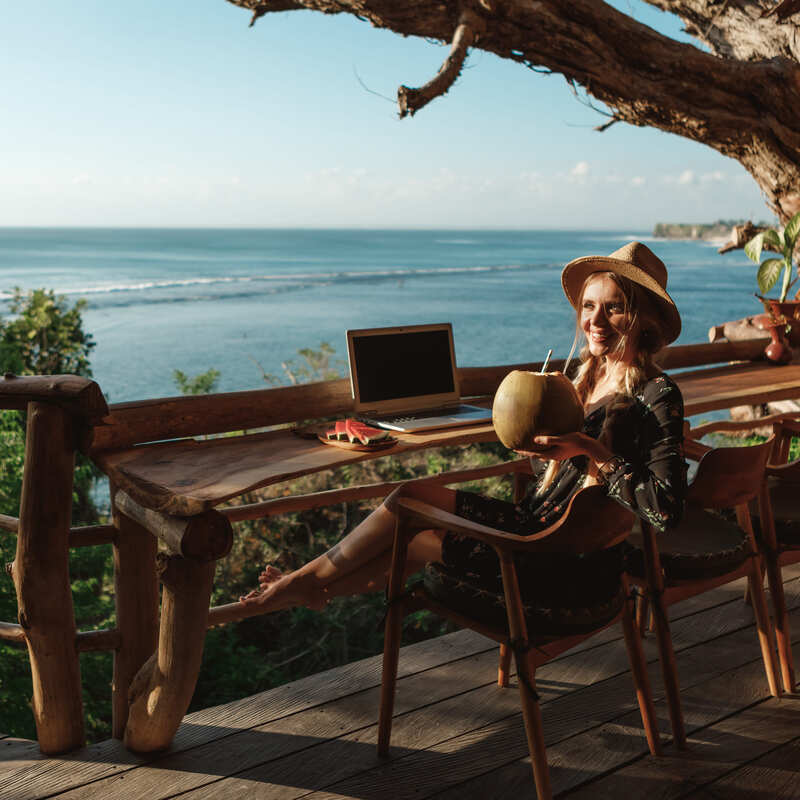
[{"x": 175, "y": 113}]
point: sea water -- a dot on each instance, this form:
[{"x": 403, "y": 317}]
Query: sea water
[{"x": 244, "y": 301}]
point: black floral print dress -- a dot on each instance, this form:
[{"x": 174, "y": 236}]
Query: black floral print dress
[{"x": 649, "y": 478}]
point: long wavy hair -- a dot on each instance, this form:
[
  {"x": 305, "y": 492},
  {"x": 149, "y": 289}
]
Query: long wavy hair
[{"x": 642, "y": 327}]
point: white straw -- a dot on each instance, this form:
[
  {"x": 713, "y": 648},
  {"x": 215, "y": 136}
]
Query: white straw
[{"x": 546, "y": 362}]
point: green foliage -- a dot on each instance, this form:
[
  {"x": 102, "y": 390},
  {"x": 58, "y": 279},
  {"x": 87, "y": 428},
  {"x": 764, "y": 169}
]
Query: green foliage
[
  {"x": 314, "y": 365},
  {"x": 769, "y": 270},
  {"x": 46, "y": 336},
  {"x": 204, "y": 383}
]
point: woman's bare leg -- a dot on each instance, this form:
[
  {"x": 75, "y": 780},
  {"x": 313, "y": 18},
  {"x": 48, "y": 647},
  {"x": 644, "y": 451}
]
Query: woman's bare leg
[{"x": 359, "y": 562}]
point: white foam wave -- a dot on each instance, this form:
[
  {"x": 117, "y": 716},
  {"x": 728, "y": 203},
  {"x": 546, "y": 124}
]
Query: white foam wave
[{"x": 313, "y": 278}]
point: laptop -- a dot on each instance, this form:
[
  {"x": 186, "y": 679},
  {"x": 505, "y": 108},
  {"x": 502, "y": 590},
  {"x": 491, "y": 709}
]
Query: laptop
[{"x": 404, "y": 379}]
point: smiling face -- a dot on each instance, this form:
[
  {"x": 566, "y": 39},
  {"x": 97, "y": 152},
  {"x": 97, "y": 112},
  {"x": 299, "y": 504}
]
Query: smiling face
[{"x": 603, "y": 316}]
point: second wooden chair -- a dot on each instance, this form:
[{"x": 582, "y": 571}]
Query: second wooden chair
[{"x": 708, "y": 549}]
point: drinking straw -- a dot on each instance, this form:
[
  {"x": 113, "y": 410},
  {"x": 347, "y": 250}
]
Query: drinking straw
[{"x": 546, "y": 362}]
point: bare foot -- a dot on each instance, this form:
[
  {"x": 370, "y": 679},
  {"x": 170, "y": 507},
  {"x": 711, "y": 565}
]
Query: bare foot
[
  {"x": 268, "y": 576},
  {"x": 278, "y": 591}
]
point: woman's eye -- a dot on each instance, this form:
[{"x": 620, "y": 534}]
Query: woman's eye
[
  {"x": 588, "y": 305},
  {"x": 616, "y": 308}
]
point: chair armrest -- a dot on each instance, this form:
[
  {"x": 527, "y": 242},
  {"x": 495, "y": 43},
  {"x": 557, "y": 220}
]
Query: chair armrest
[
  {"x": 694, "y": 450},
  {"x": 591, "y": 521},
  {"x": 435, "y": 517}
]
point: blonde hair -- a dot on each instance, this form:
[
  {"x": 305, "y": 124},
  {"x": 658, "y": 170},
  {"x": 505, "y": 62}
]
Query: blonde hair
[{"x": 642, "y": 323}]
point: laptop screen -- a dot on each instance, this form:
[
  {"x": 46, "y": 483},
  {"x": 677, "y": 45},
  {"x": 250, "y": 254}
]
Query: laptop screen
[{"x": 414, "y": 364}]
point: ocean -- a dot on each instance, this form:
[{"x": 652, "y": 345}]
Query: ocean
[{"x": 244, "y": 301}]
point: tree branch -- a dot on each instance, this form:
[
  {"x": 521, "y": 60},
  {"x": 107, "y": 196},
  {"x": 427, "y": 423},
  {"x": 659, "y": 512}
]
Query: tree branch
[
  {"x": 412, "y": 100},
  {"x": 784, "y": 10},
  {"x": 742, "y": 107}
]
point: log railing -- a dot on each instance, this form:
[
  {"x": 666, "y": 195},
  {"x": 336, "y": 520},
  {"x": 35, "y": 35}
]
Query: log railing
[{"x": 157, "y": 652}]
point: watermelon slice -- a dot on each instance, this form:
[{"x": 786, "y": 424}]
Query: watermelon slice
[
  {"x": 358, "y": 432},
  {"x": 339, "y": 431}
]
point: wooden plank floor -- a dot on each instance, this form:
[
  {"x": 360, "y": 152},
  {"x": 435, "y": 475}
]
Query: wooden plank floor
[{"x": 457, "y": 736}]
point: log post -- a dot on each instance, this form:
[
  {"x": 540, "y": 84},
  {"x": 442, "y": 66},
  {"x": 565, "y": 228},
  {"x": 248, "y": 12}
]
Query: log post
[
  {"x": 136, "y": 600},
  {"x": 207, "y": 536},
  {"x": 41, "y": 578},
  {"x": 162, "y": 689}
]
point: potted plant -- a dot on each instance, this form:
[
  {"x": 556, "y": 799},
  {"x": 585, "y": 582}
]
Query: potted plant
[{"x": 783, "y": 312}]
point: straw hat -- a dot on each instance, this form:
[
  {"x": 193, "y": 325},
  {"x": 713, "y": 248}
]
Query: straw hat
[{"x": 637, "y": 263}]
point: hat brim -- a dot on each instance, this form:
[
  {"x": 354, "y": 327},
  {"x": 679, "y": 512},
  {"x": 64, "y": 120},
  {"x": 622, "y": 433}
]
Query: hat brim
[{"x": 578, "y": 270}]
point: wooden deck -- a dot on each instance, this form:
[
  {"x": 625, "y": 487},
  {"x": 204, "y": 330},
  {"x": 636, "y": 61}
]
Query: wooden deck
[{"x": 458, "y": 737}]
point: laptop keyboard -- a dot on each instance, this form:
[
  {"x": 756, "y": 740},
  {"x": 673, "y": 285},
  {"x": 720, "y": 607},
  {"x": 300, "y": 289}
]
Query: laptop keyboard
[{"x": 433, "y": 412}]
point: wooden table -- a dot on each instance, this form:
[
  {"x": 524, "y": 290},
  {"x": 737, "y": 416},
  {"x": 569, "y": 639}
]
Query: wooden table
[
  {"x": 742, "y": 384},
  {"x": 189, "y": 476}
]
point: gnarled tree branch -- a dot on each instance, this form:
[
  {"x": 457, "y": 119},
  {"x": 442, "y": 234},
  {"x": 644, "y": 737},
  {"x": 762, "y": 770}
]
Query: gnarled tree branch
[
  {"x": 412, "y": 100},
  {"x": 741, "y": 99}
]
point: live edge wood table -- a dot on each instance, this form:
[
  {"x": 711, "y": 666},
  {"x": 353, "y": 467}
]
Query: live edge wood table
[{"x": 188, "y": 477}]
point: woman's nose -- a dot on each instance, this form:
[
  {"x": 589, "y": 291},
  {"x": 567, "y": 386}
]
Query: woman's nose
[{"x": 598, "y": 316}]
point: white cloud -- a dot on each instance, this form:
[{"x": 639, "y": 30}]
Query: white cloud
[
  {"x": 580, "y": 170},
  {"x": 686, "y": 177},
  {"x": 638, "y": 180},
  {"x": 81, "y": 179},
  {"x": 713, "y": 177}
]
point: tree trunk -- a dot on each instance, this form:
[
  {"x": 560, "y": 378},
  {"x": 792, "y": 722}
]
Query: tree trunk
[{"x": 741, "y": 98}]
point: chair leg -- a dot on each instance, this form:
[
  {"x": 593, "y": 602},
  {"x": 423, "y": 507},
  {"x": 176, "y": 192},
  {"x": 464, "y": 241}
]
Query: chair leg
[
  {"x": 764, "y": 628},
  {"x": 669, "y": 671},
  {"x": 391, "y": 641},
  {"x": 532, "y": 715},
  {"x": 642, "y": 609},
  {"x": 526, "y": 670},
  {"x": 748, "y": 594},
  {"x": 504, "y": 666},
  {"x": 641, "y": 679},
  {"x": 781, "y": 617}
]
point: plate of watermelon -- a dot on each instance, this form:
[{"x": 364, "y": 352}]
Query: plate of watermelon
[{"x": 351, "y": 434}]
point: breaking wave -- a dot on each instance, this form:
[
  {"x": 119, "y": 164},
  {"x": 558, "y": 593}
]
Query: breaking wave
[{"x": 225, "y": 286}]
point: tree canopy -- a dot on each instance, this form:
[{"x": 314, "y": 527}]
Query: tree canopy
[{"x": 738, "y": 91}]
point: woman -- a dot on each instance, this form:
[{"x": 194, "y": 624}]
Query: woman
[{"x": 631, "y": 442}]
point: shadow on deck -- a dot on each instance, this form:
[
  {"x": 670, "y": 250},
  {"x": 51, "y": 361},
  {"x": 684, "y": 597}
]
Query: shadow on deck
[{"x": 456, "y": 735}]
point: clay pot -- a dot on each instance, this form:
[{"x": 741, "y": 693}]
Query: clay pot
[
  {"x": 788, "y": 313},
  {"x": 778, "y": 351},
  {"x": 529, "y": 404}
]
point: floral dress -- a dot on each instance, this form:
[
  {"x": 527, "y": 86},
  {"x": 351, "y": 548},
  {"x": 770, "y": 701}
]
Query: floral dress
[{"x": 649, "y": 478}]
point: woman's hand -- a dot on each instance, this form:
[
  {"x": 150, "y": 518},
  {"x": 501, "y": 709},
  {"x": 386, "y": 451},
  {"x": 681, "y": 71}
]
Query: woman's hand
[{"x": 568, "y": 445}]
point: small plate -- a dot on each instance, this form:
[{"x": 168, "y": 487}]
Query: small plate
[{"x": 366, "y": 448}]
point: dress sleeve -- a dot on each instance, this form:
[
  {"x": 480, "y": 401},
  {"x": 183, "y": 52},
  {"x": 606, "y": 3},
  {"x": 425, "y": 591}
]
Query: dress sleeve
[{"x": 652, "y": 483}]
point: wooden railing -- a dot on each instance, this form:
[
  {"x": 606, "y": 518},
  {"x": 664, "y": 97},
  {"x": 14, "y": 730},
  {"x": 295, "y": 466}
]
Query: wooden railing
[{"x": 157, "y": 654}]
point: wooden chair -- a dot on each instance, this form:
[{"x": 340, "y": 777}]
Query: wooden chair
[
  {"x": 705, "y": 551},
  {"x": 776, "y": 516},
  {"x": 591, "y": 522}
]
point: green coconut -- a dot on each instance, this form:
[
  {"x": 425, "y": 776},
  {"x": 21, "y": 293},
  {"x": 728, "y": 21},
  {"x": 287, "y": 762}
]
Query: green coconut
[{"x": 529, "y": 404}]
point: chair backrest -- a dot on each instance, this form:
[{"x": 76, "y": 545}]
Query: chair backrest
[
  {"x": 780, "y": 467},
  {"x": 592, "y": 521},
  {"x": 729, "y": 476}
]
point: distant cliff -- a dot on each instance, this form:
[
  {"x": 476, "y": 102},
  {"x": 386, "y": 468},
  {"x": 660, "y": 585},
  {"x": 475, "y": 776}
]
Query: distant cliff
[{"x": 721, "y": 229}]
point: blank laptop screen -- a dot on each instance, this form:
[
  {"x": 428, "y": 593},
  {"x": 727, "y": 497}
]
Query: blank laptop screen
[{"x": 408, "y": 364}]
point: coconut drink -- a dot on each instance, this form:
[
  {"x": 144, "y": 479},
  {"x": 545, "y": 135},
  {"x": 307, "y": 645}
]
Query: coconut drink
[{"x": 529, "y": 404}]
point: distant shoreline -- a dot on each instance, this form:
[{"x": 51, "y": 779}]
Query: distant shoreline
[{"x": 714, "y": 231}]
